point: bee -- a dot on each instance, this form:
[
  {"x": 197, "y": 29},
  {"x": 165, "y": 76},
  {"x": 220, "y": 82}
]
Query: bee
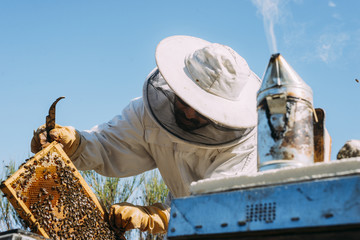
[{"x": 356, "y": 80}]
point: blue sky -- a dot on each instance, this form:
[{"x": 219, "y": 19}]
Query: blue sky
[{"x": 98, "y": 53}]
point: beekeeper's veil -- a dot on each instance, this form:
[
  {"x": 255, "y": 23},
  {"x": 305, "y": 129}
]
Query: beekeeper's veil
[{"x": 211, "y": 78}]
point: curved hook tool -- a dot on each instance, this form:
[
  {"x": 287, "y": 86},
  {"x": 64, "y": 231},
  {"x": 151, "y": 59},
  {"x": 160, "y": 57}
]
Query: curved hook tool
[{"x": 50, "y": 119}]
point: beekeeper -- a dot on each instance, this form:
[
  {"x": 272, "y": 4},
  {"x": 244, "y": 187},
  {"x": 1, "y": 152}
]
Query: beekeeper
[{"x": 196, "y": 119}]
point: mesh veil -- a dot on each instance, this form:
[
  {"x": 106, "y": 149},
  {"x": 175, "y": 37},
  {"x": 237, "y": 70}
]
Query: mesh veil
[{"x": 159, "y": 99}]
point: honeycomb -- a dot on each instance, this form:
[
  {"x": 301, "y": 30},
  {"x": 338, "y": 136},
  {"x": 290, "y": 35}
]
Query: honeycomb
[{"x": 54, "y": 200}]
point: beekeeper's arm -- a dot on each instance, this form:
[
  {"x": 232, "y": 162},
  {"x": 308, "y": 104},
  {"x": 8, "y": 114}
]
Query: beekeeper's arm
[{"x": 114, "y": 149}]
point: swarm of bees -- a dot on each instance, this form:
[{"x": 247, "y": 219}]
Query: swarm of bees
[{"x": 54, "y": 200}]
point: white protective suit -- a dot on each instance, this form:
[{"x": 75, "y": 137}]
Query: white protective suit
[{"x": 134, "y": 143}]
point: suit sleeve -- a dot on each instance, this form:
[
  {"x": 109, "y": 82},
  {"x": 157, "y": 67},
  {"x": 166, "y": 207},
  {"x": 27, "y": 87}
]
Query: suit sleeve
[{"x": 116, "y": 148}]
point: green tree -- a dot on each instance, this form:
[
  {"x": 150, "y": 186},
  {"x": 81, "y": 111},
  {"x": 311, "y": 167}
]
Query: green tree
[
  {"x": 113, "y": 190},
  {"x": 9, "y": 219},
  {"x": 154, "y": 191}
]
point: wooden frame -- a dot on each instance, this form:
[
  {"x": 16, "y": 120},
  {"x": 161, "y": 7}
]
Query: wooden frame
[{"x": 39, "y": 182}]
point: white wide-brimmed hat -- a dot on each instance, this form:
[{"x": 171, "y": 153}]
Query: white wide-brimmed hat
[{"x": 210, "y": 77}]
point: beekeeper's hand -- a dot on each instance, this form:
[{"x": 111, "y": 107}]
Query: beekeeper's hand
[
  {"x": 67, "y": 136},
  {"x": 126, "y": 216}
]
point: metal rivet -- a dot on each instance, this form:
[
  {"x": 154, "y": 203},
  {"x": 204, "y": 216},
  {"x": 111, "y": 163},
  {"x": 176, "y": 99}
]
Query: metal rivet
[
  {"x": 174, "y": 215},
  {"x": 224, "y": 225},
  {"x": 328, "y": 215},
  {"x": 241, "y": 223},
  {"x": 172, "y": 230},
  {"x": 295, "y": 219},
  {"x": 198, "y": 226}
]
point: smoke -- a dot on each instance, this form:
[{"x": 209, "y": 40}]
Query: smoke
[{"x": 270, "y": 11}]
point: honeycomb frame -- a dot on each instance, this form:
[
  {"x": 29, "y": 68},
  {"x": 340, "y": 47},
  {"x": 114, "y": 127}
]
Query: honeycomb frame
[{"x": 45, "y": 190}]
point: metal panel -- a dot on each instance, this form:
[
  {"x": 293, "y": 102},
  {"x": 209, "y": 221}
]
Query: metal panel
[
  {"x": 19, "y": 234},
  {"x": 315, "y": 204}
]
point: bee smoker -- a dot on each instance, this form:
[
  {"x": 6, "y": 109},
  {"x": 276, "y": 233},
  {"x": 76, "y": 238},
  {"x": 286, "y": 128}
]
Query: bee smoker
[{"x": 285, "y": 118}]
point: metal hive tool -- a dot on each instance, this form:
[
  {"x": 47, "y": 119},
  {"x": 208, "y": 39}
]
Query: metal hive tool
[{"x": 54, "y": 200}]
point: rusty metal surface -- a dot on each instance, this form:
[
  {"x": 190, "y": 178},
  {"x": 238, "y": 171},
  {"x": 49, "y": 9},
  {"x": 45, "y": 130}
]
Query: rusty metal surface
[
  {"x": 351, "y": 149},
  {"x": 285, "y": 139},
  {"x": 322, "y": 140},
  {"x": 285, "y": 118},
  {"x": 319, "y": 136}
]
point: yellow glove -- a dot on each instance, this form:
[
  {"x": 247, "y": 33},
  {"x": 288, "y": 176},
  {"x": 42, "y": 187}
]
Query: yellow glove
[
  {"x": 126, "y": 216},
  {"x": 67, "y": 136}
]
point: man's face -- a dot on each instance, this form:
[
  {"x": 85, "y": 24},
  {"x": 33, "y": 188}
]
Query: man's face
[{"x": 186, "y": 117}]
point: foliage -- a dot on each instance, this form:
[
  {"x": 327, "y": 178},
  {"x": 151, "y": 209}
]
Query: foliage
[
  {"x": 9, "y": 219},
  {"x": 154, "y": 191},
  {"x": 113, "y": 190}
]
